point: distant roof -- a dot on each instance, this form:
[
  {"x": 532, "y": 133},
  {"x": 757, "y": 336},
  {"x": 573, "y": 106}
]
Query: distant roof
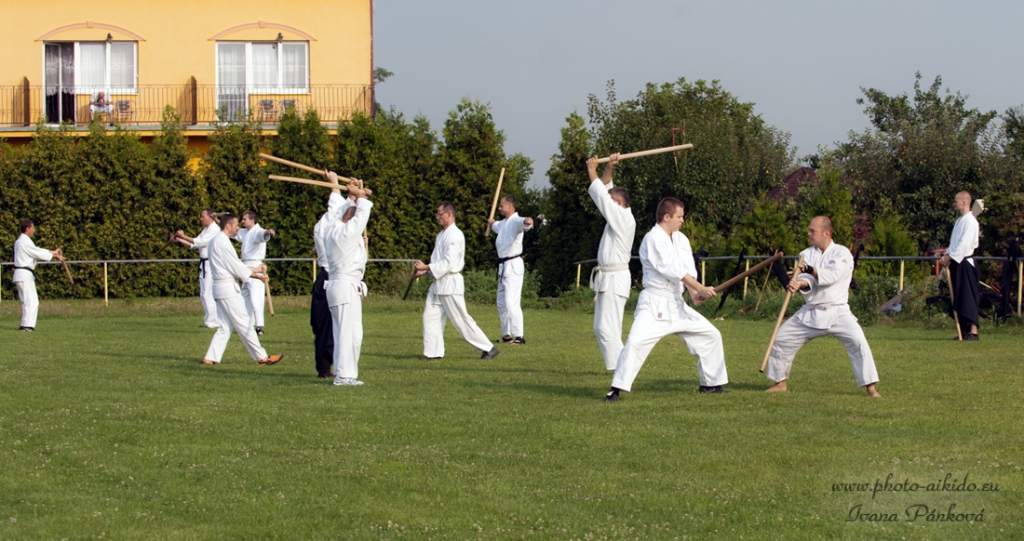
[{"x": 791, "y": 184}]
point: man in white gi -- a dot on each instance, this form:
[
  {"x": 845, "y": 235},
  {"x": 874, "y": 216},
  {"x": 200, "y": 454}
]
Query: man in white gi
[
  {"x": 824, "y": 280},
  {"x": 201, "y": 242},
  {"x": 509, "y": 243},
  {"x": 227, "y": 270},
  {"x": 346, "y": 259},
  {"x": 254, "y": 249},
  {"x": 445, "y": 299},
  {"x": 668, "y": 265},
  {"x": 26, "y": 254},
  {"x": 610, "y": 278},
  {"x": 319, "y": 310},
  {"x": 959, "y": 257}
]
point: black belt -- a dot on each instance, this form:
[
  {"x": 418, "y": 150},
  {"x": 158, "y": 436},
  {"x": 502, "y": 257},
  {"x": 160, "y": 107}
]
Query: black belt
[
  {"x": 502, "y": 260},
  {"x": 28, "y": 269},
  {"x": 202, "y": 266}
]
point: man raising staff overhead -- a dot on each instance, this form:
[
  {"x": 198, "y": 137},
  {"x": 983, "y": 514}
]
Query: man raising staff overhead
[
  {"x": 610, "y": 279},
  {"x": 346, "y": 258},
  {"x": 254, "y": 249},
  {"x": 824, "y": 281},
  {"x": 510, "y": 269},
  {"x": 26, "y": 254},
  {"x": 201, "y": 242},
  {"x": 959, "y": 257},
  {"x": 668, "y": 266},
  {"x": 445, "y": 299},
  {"x": 227, "y": 270}
]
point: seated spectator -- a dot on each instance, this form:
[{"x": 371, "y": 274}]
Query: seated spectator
[{"x": 100, "y": 104}]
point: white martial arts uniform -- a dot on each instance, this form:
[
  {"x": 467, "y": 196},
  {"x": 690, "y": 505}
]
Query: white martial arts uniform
[
  {"x": 826, "y": 311},
  {"x": 226, "y": 270},
  {"x": 610, "y": 278},
  {"x": 661, "y": 311},
  {"x": 254, "y": 250},
  {"x": 964, "y": 239},
  {"x": 25, "y": 256},
  {"x": 509, "y": 243},
  {"x": 346, "y": 257},
  {"x": 446, "y": 297},
  {"x": 201, "y": 242}
]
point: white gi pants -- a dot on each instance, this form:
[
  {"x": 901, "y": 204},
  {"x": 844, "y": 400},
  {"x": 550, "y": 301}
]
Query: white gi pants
[
  {"x": 254, "y": 293},
  {"x": 653, "y": 321},
  {"x": 510, "y": 292},
  {"x": 608, "y": 312},
  {"x": 439, "y": 309},
  {"x": 206, "y": 298},
  {"x": 794, "y": 334},
  {"x": 347, "y": 320},
  {"x": 231, "y": 315},
  {"x": 29, "y": 302}
]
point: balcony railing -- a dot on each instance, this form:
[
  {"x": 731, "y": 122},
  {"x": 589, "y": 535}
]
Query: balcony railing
[{"x": 198, "y": 105}]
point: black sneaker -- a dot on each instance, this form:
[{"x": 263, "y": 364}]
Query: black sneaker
[
  {"x": 971, "y": 337},
  {"x": 259, "y": 331},
  {"x": 507, "y": 339},
  {"x": 519, "y": 340},
  {"x": 27, "y": 329},
  {"x": 488, "y": 355},
  {"x": 612, "y": 396},
  {"x": 717, "y": 389}
]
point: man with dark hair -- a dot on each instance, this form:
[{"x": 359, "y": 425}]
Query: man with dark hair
[
  {"x": 346, "y": 258},
  {"x": 511, "y": 269},
  {"x": 610, "y": 279},
  {"x": 201, "y": 242},
  {"x": 254, "y": 250},
  {"x": 26, "y": 254},
  {"x": 667, "y": 267},
  {"x": 824, "y": 281},
  {"x": 959, "y": 257},
  {"x": 445, "y": 299},
  {"x": 226, "y": 270}
]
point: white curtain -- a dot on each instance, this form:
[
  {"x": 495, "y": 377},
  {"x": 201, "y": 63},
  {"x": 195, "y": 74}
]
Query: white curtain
[
  {"x": 122, "y": 65},
  {"x": 293, "y": 65},
  {"x": 92, "y": 67},
  {"x": 231, "y": 65},
  {"x": 264, "y": 66}
]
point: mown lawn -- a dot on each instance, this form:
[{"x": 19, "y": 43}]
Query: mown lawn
[{"x": 110, "y": 428}]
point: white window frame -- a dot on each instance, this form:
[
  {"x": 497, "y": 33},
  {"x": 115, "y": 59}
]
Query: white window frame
[
  {"x": 250, "y": 86},
  {"x": 107, "y": 88}
]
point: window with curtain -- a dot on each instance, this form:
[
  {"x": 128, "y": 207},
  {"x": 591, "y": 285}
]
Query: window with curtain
[
  {"x": 105, "y": 66},
  {"x": 264, "y": 67}
]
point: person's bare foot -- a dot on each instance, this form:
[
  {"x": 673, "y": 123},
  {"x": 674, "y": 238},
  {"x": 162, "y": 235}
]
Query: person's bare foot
[
  {"x": 871, "y": 391},
  {"x": 779, "y": 387}
]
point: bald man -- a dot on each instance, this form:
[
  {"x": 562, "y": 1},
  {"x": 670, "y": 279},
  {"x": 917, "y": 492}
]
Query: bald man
[
  {"x": 962, "y": 267},
  {"x": 824, "y": 281}
]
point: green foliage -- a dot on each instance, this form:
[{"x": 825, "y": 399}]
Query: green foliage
[
  {"x": 766, "y": 227},
  {"x": 889, "y": 237},
  {"x": 828, "y": 198}
]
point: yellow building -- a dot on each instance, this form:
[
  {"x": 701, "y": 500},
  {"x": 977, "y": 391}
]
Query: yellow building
[{"x": 214, "y": 60}]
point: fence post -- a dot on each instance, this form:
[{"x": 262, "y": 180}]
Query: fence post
[
  {"x": 106, "y": 297},
  {"x": 1020, "y": 277},
  {"x": 579, "y": 267},
  {"x": 27, "y": 103},
  {"x": 745, "y": 281},
  {"x": 314, "y": 271},
  {"x": 703, "y": 274},
  {"x": 902, "y": 263}
]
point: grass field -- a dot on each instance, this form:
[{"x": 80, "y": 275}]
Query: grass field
[{"x": 110, "y": 428}]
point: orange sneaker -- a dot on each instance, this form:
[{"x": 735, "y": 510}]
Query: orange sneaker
[
  {"x": 270, "y": 360},
  {"x": 208, "y": 362}
]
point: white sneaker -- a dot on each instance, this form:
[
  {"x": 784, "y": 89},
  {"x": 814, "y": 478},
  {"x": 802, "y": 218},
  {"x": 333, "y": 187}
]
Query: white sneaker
[{"x": 340, "y": 381}]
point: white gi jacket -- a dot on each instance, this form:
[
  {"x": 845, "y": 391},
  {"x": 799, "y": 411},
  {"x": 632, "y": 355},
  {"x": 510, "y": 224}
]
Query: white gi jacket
[
  {"x": 964, "y": 240},
  {"x": 25, "y": 256},
  {"x": 510, "y": 242},
  {"x": 202, "y": 240},
  {"x": 346, "y": 254},
  {"x": 225, "y": 267},
  {"x": 829, "y": 294},
  {"x": 335, "y": 204},
  {"x": 447, "y": 261},
  {"x": 665, "y": 262},
  {"x": 254, "y": 244},
  {"x": 616, "y": 242}
]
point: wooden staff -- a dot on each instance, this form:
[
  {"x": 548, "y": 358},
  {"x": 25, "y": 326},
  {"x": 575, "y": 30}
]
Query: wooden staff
[
  {"x": 270, "y": 300},
  {"x": 494, "y": 204},
  {"x": 767, "y": 276},
  {"x": 736, "y": 279},
  {"x": 647, "y": 152},
  {"x": 782, "y": 313},
  {"x": 412, "y": 278},
  {"x": 166, "y": 244},
  {"x": 67, "y": 271},
  {"x": 956, "y": 318},
  {"x": 307, "y": 181}
]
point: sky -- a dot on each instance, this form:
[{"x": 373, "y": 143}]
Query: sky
[{"x": 802, "y": 62}]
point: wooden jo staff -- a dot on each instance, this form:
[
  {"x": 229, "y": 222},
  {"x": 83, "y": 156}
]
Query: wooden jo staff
[
  {"x": 736, "y": 279},
  {"x": 494, "y": 204},
  {"x": 297, "y": 165},
  {"x": 782, "y": 313},
  {"x": 307, "y": 181},
  {"x": 412, "y": 278},
  {"x": 72, "y": 280},
  {"x": 270, "y": 300},
  {"x": 647, "y": 152},
  {"x": 956, "y": 318}
]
